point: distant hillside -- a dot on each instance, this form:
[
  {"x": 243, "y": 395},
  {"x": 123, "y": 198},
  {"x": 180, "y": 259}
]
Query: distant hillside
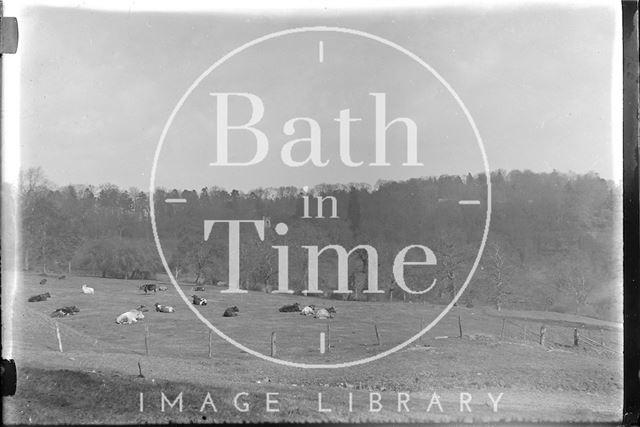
[{"x": 554, "y": 242}]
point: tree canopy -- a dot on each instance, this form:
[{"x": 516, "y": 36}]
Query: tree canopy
[{"x": 554, "y": 242}]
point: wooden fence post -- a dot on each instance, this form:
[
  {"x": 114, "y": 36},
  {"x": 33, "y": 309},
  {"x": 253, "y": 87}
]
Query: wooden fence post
[
  {"x": 460, "y": 325},
  {"x": 576, "y": 337},
  {"x": 375, "y": 326},
  {"x": 273, "y": 344},
  {"x": 543, "y": 331},
  {"x": 502, "y": 331},
  {"x": 210, "y": 332},
  {"x": 146, "y": 339},
  {"x": 328, "y": 336},
  {"x": 59, "y": 339}
]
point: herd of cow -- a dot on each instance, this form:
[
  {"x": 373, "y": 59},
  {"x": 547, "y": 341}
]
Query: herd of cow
[{"x": 132, "y": 316}]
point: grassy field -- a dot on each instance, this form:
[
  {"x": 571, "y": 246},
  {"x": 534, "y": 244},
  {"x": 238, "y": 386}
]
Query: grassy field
[{"x": 99, "y": 366}]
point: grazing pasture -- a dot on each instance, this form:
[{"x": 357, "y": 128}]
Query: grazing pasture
[{"x": 487, "y": 358}]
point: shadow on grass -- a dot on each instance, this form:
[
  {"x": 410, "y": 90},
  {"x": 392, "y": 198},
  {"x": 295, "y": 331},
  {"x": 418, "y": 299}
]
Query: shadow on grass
[{"x": 73, "y": 397}]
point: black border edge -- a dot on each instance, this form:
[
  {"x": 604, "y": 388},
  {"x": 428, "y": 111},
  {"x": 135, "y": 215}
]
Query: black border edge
[{"x": 631, "y": 221}]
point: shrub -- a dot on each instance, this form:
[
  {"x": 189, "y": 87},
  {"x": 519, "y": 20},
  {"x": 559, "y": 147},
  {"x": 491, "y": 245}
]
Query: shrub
[{"x": 120, "y": 259}]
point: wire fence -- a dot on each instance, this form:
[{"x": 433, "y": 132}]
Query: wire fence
[{"x": 551, "y": 335}]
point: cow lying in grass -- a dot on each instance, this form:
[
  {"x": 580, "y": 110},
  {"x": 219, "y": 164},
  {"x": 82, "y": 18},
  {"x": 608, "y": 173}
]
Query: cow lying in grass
[
  {"x": 65, "y": 311},
  {"x": 87, "y": 290},
  {"x": 231, "y": 312},
  {"x": 40, "y": 297},
  {"x": 148, "y": 288},
  {"x": 309, "y": 310},
  {"x": 164, "y": 308},
  {"x": 43, "y": 281},
  {"x": 131, "y": 316},
  {"x": 199, "y": 289},
  {"x": 198, "y": 300},
  {"x": 62, "y": 277},
  {"x": 325, "y": 313},
  {"x": 162, "y": 288},
  {"x": 290, "y": 308}
]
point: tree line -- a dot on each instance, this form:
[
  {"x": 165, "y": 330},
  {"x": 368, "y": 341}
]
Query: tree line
[{"x": 554, "y": 240}]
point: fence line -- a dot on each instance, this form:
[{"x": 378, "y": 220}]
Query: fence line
[
  {"x": 597, "y": 344},
  {"x": 526, "y": 331},
  {"x": 555, "y": 337}
]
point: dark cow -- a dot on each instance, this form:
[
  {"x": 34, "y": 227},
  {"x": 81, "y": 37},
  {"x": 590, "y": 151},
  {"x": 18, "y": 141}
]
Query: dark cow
[
  {"x": 148, "y": 288},
  {"x": 62, "y": 277},
  {"x": 41, "y": 297},
  {"x": 199, "y": 288},
  {"x": 198, "y": 300},
  {"x": 231, "y": 312},
  {"x": 65, "y": 311},
  {"x": 290, "y": 308},
  {"x": 43, "y": 281}
]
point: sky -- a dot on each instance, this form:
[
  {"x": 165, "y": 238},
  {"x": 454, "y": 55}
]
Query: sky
[{"x": 98, "y": 87}]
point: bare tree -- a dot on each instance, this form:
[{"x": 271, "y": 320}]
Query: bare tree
[
  {"x": 33, "y": 180},
  {"x": 451, "y": 254},
  {"x": 574, "y": 273},
  {"x": 499, "y": 268}
]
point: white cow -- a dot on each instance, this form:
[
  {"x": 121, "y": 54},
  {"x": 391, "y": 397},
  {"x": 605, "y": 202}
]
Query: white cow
[
  {"x": 164, "y": 308},
  {"x": 129, "y": 317},
  {"x": 323, "y": 313},
  {"x": 308, "y": 311},
  {"x": 87, "y": 290}
]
